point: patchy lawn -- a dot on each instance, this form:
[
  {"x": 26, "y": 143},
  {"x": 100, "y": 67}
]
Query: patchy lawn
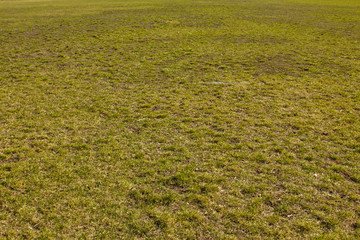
[{"x": 180, "y": 119}]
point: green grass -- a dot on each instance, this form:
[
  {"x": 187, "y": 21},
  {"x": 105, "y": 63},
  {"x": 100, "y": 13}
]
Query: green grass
[{"x": 180, "y": 119}]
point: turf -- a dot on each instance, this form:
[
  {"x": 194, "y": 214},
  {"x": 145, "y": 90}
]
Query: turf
[{"x": 180, "y": 119}]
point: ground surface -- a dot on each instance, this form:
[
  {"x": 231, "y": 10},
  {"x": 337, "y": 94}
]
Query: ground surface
[{"x": 180, "y": 119}]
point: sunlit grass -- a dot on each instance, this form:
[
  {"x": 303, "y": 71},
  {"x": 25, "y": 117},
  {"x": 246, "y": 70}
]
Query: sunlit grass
[{"x": 180, "y": 119}]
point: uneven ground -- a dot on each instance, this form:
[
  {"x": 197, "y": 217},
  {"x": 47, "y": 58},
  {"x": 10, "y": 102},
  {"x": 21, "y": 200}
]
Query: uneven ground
[{"x": 180, "y": 119}]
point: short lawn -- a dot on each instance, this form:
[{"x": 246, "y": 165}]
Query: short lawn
[{"x": 179, "y": 119}]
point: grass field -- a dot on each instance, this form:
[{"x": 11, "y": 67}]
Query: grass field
[{"x": 180, "y": 119}]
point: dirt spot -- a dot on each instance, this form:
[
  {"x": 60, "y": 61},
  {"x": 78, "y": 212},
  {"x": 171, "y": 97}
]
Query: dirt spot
[
  {"x": 9, "y": 158},
  {"x": 278, "y": 64},
  {"x": 251, "y": 40}
]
